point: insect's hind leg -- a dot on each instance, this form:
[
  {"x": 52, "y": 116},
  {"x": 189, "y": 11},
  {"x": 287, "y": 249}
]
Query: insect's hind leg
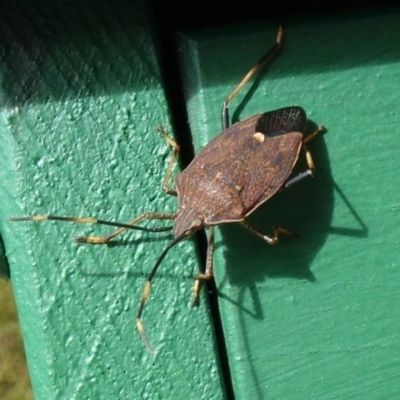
[
  {"x": 311, "y": 168},
  {"x": 254, "y": 69}
]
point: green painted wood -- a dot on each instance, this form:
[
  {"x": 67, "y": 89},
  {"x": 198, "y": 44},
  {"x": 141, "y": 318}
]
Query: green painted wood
[
  {"x": 317, "y": 317},
  {"x": 81, "y": 98}
]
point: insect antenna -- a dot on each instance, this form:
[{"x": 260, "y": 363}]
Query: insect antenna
[
  {"x": 146, "y": 290},
  {"x": 88, "y": 220}
]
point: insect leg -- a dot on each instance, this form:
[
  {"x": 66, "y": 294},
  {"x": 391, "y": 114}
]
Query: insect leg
[
  {"x": 267, "y": 56},
  {"x": 321, "y": 130},
  {"x": 172, "y": 161},
  {"x": 269, "y": 239},
  {"x": 209, "y": 269},
  {"x": 311, "y": 168}
]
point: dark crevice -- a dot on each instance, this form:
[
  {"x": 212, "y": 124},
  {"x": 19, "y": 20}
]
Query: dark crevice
[
  {"x": 183, "y": 14},
  {"x": 166, "y": 39},
  {"x": 4, "y": 266}
]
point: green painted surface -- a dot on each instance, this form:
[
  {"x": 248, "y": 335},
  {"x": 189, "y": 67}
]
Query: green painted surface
[
  {"x": 317, "y": 317},
  {"x": 312, "y": 318},
  {"x": 81, "y": 98}
]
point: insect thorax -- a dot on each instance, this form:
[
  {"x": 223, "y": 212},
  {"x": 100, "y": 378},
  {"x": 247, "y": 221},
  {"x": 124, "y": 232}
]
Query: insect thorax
[{"x": 187, "y": 220}]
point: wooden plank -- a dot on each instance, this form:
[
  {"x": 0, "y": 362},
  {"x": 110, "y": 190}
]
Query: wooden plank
[
  {"x": 313, "y": 318},
  {"x": 82, "y": 98}
]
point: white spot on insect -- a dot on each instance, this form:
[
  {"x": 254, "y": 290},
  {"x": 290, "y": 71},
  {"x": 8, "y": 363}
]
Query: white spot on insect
[{"x": 259, "y": 137}]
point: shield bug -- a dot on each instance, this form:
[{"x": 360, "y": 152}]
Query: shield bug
[{"x": 232, "y": 176}]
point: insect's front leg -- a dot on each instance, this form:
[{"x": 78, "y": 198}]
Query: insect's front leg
[
  {"x": 209, "y": 272},
  {"x": 175, "y": 152},
  {"x": 172, "y": 161}
]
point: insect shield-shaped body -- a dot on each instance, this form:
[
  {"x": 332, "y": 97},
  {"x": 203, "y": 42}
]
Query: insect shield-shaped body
[
  {"x": 239, "y": 169},
  {"x": 234, "y": 174}
]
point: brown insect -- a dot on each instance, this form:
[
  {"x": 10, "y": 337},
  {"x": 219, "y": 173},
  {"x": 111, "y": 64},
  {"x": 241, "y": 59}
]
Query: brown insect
[{"x": 232, "y": 176}]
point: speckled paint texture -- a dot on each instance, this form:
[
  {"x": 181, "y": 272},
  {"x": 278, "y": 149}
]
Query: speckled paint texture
[{"x": 81, "y": 99}]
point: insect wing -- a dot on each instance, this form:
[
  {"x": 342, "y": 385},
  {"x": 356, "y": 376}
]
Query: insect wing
[
  {"x": 281, "y": 121},
  {"x": 242, "y": 165},
  {"x": 212, "y": 182},
  {"x": 271, "y": 166}
]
